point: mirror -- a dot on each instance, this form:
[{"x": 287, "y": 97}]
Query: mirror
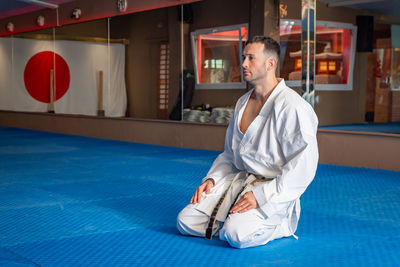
[
  {"x": 146, "y": 61},
  {"x": 97, "y": 69},
  {"x": 183, "y": 63},
  {"x": 6, "y": 73},
  {"x": 160, "y": 72},
  {"x": 26, "y": 63}
]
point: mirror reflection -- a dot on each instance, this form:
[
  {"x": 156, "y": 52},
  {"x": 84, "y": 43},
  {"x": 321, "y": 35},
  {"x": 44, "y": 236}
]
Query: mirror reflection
[
  {"x": 27, "y": 61},
  {"x": 6, "y": 73},
  {"x": 183, "y": 63},
  {"x": 217, "y": 54},
  {"x": 72, "y": 69},
  {"x": 147, "y": 61},
  {"x": 97, "y": 69}
]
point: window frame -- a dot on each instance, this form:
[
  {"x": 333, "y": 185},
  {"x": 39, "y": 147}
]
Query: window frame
[{"x": 229, "y": 85}]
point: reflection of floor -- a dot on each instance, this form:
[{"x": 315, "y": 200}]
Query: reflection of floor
[
  {"x": 391, "y": 127},
  {"x": 217, "y": 115},
  {"x": 77, "y": 201},
  {"x": 319, "y": 78}
]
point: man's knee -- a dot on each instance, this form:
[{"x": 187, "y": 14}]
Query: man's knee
[
  {"x": 232, "y": 233},
  {"x": 183, "y": 222},
  {"x": 234, "y": 237},
  {"x": 240, "y": 234},
  {"x": 191, "y": 222}
]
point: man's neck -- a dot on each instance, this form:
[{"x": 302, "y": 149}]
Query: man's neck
[{"x": 264, "y": 89}]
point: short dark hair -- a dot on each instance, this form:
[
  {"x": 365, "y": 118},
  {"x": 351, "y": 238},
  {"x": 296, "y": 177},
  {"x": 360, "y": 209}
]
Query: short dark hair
[{"x": 270, "y": 45}]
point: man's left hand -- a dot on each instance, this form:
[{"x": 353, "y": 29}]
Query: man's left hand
[{"x": 245, "y": 203}]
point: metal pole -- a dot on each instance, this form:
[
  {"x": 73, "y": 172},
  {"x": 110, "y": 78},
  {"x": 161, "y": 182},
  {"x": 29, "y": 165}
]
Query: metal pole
[{"x": 308, "y": 50}]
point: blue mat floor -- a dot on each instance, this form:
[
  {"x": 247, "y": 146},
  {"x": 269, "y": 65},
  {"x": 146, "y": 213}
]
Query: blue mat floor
[
  {"x": 78, "y": 201},
  {"x": 390, "y": 127}
]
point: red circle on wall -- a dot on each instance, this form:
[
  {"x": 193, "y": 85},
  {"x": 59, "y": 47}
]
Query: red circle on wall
[{"x": 37, "y": 76}]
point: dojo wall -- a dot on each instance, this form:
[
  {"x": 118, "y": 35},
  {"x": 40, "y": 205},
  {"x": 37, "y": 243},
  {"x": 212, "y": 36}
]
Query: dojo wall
[
  {"x": 372, "y": 150},
  {"x": 334, "y": 107}
]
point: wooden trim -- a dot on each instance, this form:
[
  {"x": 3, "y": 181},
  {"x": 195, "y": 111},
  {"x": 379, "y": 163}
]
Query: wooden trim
[
  {"x": 157, "y": 132},
  {"x": 361, "y": 149},
  {"x": 73, "y": 38}
]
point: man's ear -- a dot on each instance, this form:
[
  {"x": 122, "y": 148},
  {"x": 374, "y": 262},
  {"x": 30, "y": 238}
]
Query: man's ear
[{"x": 271, "y": 63}]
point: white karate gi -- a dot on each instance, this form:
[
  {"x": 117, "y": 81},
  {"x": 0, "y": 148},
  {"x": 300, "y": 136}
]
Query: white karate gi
[{"x": 279, "y": 144}]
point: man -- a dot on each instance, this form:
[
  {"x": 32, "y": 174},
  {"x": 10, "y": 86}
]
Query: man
[{"x": 250, "y": 195}]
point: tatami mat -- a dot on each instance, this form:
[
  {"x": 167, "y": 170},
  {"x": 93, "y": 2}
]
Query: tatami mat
[
  {"x": 390, "y": 127},
  {"x": 76, "y": 201}
]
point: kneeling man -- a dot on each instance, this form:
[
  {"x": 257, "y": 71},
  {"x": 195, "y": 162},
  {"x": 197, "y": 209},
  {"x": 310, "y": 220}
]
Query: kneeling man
[{"x": 251, "y": 194}]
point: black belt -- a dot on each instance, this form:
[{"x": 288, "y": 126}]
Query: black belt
[{"x": 211, "y": 222}]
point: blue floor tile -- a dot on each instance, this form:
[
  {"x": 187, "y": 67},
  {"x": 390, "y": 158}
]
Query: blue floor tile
[{"x": 77, "y": 201}]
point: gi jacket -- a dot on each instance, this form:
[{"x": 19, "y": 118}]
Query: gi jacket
[{"x": 280, "y": 143}]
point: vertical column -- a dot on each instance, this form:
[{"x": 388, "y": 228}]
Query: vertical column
[
  {"x": 174, "y": 32},
  {"x": 308, "y": 50},
  {"x": 264, "y": 19},
  {"x": 271, "y": 19}
]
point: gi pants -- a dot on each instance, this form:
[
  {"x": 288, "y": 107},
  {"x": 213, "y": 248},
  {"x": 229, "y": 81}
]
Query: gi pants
[{"x": 240, "y": 230}]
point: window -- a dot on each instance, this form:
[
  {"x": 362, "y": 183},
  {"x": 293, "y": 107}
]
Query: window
[
  {"x": 163, "y": 81},
  {"x": 334, "y": 55},
  {"x": 217, "y": 56}
]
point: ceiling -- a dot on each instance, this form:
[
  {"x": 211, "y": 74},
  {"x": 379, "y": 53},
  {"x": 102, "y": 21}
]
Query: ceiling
[
  {"x": 385, "y": 7},
  {"x": 10, "y": 8}
]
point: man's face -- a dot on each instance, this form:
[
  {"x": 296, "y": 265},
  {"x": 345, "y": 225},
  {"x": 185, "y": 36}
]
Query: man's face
[{"x": 254, "y": 63}]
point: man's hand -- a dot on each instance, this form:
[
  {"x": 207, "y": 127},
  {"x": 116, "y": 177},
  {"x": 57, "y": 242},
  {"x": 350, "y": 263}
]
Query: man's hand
[
  {"x": 246, "y": 203},
  {"x": 206, "y": 186}
]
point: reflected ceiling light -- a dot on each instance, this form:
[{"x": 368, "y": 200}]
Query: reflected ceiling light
[
  {"x": 122, "y": 5},
  {"x": 40, "y": 21},
  {"x": 41, "y": 3},
  {"x": 76, "y": 13},
  {"x": 10, "y": 27},
  {"x": 350, "y": 2}
]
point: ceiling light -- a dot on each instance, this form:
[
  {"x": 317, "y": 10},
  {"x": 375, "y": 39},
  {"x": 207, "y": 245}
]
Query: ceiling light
[
  {"x": 76, "y": 13},
  {"x": 41, "y": 3},
  {"x": 40, "y": 21},
  {"x": 10, "y": 27}
]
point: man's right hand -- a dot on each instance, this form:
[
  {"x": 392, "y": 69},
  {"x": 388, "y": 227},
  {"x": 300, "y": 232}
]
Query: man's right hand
[{"x": 206, "y": 186}]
